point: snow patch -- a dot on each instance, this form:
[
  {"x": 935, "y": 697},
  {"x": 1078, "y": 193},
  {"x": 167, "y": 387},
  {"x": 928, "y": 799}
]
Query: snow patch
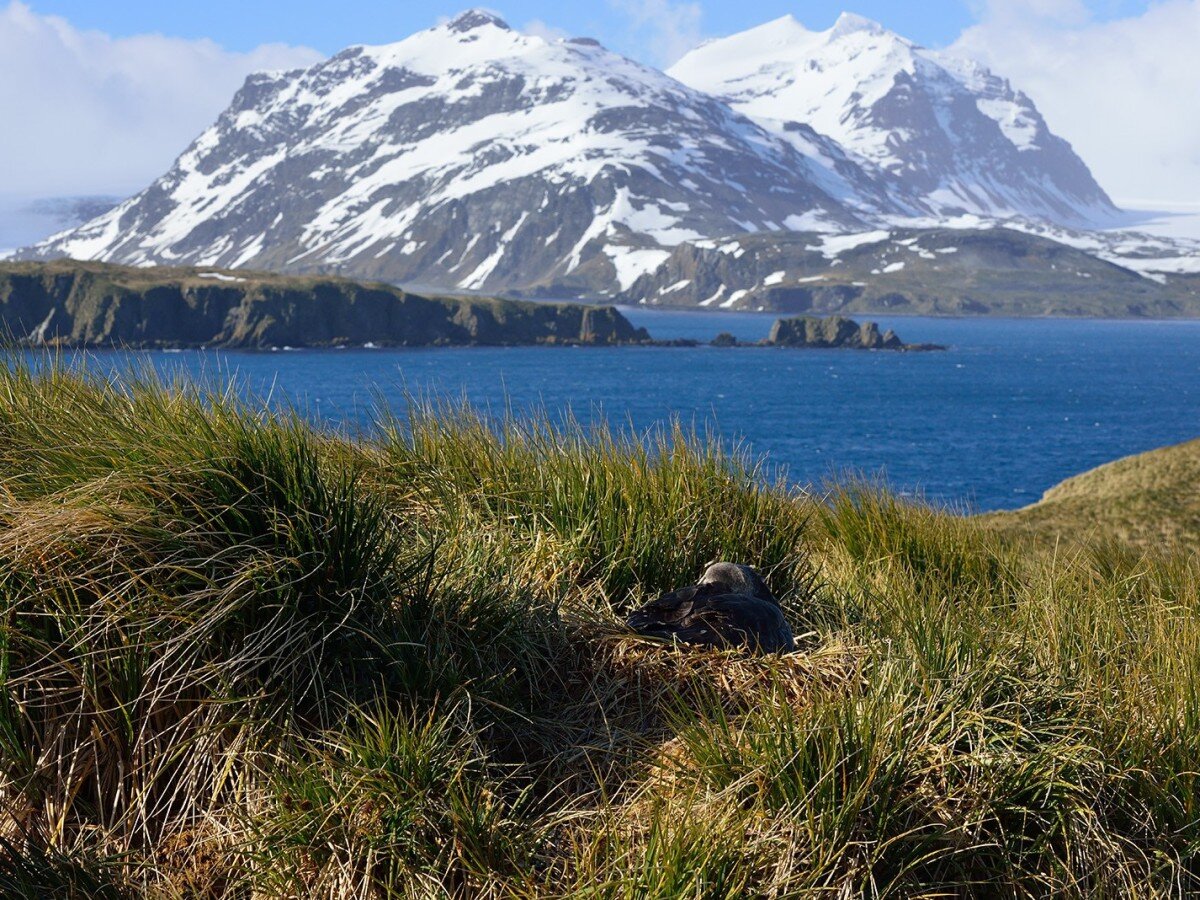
[
  {"x": 834, "y": 245},
  {"x": 1014, "y": 120},
  {"x": 715, "y": 297},
  {"x": 813, "y": 220},
  {"x": 734, "y": 298},
  {"x": 631, "y": 263}
]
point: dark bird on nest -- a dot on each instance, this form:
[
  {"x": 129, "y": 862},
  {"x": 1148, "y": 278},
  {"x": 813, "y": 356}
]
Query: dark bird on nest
[{"x": 731, "y": 606}]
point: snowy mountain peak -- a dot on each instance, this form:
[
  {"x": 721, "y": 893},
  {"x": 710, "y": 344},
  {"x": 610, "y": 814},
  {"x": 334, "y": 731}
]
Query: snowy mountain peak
[
  {"x": 783, "y": 30},
  {"x": 472, "y": 156},
  {"x": 946, "y": 133},
  {"x": 476, "y": 18}
]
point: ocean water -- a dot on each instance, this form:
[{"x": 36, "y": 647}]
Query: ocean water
[{"x": 1012, "y": 408}]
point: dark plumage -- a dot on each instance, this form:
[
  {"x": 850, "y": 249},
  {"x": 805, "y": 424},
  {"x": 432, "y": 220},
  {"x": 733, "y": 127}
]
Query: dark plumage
[{"x": 730, "y": 606}]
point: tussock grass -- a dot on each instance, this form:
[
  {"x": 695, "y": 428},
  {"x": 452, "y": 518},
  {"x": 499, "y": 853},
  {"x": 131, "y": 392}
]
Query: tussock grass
[
  {"x": 241, "y": 658},
  {"x": 1147, "y": 500}
]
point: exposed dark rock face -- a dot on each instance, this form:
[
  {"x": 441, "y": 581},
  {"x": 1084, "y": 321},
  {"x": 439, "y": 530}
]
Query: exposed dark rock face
[
  {"x": 836, "y": 331},
  {"x": 469, "y": 157},
  {"x": 725, "y": 339},
  {"x": 730, "y": 606},
  {"x": 98, "y": 305}
]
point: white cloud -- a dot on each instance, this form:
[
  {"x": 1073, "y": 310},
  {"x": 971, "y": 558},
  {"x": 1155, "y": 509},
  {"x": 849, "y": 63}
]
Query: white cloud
[
  {"x": 87, "y": 113},
  {"x": 667, "y": 29},
  {"x": 538, "y": 28},
  {"x": 1123, "y": 92}
]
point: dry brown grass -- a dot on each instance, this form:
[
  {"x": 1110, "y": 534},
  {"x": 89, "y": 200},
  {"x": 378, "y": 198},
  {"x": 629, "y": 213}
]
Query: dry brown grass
[
  {"x": 239, "y": 659},
  {"x": 645, "y": 667},
  {"x": 1147, "y": 500}
]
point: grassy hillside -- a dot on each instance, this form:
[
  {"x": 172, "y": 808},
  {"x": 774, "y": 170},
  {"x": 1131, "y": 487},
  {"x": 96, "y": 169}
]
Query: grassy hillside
[
  {"x": 1147, "y": 500},
  {"x": 992, "y": 271},
  {"x": 241, "y": 658}
]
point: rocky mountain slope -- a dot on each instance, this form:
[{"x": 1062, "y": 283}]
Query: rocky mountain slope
[
  {"x": 475, "y": 157},
  {"x": 98, "y": 305},
  {"x": 472, "y": 157},
  {"x": 943, "y": 132},
  {"x": 998, "y": 271}
]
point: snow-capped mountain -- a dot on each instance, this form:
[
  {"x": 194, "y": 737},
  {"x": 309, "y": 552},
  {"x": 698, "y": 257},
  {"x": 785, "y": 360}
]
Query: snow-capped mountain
[
  {"x": 939, "y": 129},
  {"x": 473, "y": 156}
]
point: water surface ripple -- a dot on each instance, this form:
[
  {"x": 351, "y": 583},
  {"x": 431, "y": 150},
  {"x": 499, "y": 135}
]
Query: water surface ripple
[{"x": 1012, "y": 408}]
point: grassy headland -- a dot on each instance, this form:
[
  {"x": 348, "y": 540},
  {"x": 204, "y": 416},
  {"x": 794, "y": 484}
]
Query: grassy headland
[
  {"x": 1146, "y": 500},
  {"x": 240, "y": 658},
  {"x": 68, "y": 303}
]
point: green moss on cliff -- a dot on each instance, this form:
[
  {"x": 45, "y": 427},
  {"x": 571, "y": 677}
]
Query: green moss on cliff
[{"x": 81, "y": 304}]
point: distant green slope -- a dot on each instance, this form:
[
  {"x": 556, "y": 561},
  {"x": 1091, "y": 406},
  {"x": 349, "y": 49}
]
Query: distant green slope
[
  {"x": 90, "y": 304},
  {"x": 1147, "y": 499},
  {"x": 994, "y": 271}
]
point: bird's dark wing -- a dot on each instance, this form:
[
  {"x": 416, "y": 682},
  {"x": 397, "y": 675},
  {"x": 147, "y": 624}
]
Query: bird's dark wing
[
  {"x": 676, "y": 606},
  {"x": 704, "y": 626},
  {"x": 701, "y": 615},
  {"x": 669, "y": 610},
  {"x": 751, "y": 622}
]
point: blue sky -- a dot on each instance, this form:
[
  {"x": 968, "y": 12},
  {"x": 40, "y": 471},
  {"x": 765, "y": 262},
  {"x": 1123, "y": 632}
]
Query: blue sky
[{"x": 240, "y": 25}]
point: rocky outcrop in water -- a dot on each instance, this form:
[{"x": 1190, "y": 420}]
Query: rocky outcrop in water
[
  {"x": 837, "y": 331},
  {"x": 74, "y": 304}
]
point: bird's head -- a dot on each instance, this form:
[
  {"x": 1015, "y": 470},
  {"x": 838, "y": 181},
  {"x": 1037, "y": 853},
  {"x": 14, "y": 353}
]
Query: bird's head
[{"x": 738, "y": 579}]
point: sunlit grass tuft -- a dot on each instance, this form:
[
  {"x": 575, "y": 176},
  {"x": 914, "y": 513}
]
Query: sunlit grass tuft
[{"x": 240, "y": 657}]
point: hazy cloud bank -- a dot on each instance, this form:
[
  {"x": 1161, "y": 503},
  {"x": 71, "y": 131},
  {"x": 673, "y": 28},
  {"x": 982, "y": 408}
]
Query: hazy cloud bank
[
  {"x": 1126, "y": 93},
  {"x": 87, "y": 113}
]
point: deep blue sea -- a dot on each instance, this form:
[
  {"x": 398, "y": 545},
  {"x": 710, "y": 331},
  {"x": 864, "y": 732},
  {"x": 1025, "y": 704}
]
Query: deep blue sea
[{"x": 1011, "y": 409}]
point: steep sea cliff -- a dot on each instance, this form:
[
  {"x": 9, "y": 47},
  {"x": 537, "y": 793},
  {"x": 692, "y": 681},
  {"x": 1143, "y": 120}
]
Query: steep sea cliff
[{"x": 74, "y": 304}]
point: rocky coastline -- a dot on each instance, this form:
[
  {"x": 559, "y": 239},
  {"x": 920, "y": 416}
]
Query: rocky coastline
[{"x": 96, "y": 305}]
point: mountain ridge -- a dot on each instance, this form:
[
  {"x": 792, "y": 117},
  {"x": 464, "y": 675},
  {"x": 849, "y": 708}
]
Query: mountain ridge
[
  {"x": 472, "y": 157},
  {"x": 937, "y": 125},
  {"x": 368, "y": 161},
  {"x": 948, "y": 271}
]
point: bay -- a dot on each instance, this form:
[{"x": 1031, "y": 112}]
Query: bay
[{"x": 1012, "y": 408}]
